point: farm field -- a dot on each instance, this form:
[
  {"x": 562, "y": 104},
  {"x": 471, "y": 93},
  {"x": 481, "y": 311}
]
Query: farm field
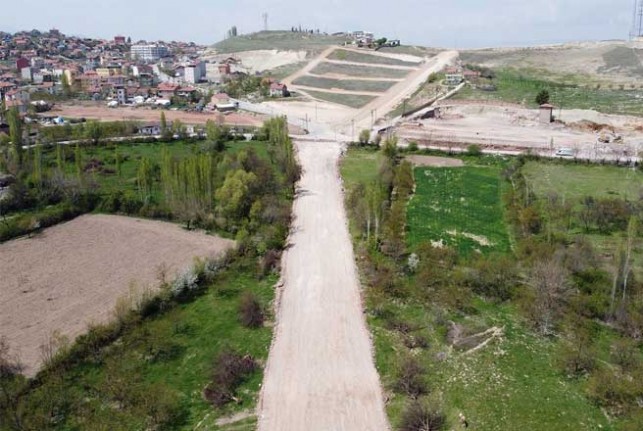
[
  {"x": 577, "y": 181},
  {"x": 459, "y": 207},
  {"x": 344, "y": 84},
  {"x": 358, "y": 71},
  {"x": 518, "y": 86},
  {"x": 350, "y": 100},
  {"x": 84, "y": 267},
  {"x": 358, "y": 57}
]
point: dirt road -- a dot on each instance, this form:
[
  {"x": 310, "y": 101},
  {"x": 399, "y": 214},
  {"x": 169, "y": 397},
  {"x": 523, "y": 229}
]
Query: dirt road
[
  {"x": 363, "y": 119},
  {"x": 320, "y": 373}
]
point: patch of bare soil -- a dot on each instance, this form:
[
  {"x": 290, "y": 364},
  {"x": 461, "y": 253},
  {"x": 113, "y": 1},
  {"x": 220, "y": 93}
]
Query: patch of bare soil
[
  {"x": 72, "y": 274},
  {"x": 103, "y": 113},
  {"x": 435, "y": 162},
  {"x": 320, "y": 373}
]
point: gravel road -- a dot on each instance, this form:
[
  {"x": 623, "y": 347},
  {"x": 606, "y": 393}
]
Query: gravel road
[{"x": 320, "y": 373}]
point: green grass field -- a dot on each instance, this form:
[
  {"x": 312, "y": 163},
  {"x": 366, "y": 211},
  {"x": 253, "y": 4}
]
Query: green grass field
[
  {"x": 189, "y": 337},
  {"x": 344, "y": 84},
  {"x": 517, "y": 86},
  {"x": 512, "y": 383},
  {"x": 358, "y": 71},
  {"x": 462, "y": 207},
  {"x": 358, "y": 57},
  {"x": 577, "y": 181},
  {"x": 131, "y": 155},
  {"x": 350, "y": 100},
  {"x": 280, "y": 40}
]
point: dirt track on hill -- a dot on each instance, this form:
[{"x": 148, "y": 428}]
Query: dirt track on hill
[
  {"x": 320, "y": 374},
  {"x": 73, "y": 274}
]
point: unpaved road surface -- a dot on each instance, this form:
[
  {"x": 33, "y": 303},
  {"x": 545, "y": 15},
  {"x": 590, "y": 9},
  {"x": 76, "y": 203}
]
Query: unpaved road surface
[
  {"x": 320, "y": 373},
  {"x": 73, "y": 274}
]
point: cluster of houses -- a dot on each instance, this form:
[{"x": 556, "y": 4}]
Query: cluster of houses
[{"x": 35, "y": 65}]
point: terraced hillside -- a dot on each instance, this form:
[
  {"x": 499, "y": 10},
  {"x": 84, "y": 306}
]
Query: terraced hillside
[{"x": 352, "y": 77}]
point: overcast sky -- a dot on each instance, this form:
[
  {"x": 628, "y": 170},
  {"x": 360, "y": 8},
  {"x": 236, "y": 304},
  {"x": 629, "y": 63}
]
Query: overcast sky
[{"x": 454, "y": 23}]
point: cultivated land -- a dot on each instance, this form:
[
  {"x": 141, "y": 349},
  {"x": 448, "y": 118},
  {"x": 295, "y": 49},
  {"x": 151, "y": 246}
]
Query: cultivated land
[
  {"x": 72, "y": 274},
  {"x": 320, "y": 373},
  {"x": 448, "y": 209}
]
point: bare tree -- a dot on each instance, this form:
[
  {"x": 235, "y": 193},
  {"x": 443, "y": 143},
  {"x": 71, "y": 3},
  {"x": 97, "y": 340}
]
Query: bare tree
[{"x": 549, "y": 283}]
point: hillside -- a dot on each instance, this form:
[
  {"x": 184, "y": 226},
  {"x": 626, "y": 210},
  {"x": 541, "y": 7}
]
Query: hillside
[
  {"x": 279, "y": 40},
  {"x": 608, "y": 61}
]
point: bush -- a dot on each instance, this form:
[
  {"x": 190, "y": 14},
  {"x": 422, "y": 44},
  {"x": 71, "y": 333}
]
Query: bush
[
  {"x": 474, "y": 150},
  {"x": 542, "y": 97},
  {"x": 250, "y": 311},
  {"x": 185, "y": 283},
  {"x": 229, "y": 371},
  {"x": 423, "y": 415},
  {"x": 410, "y": 378}
]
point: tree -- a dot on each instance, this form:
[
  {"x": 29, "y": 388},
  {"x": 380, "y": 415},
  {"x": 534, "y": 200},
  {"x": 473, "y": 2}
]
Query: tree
[
  {"x": 15, "y": 133},
  {"x": 166, "y": 133},
  {"x": 549, "y": 283},
  {"x": 94, "y": 131},
  {"x": 216, "y": 135},
  {"x": 364, "y": 137},
  {"x": 233, "y": 196},
  {"x": 542, "y": 97},
  {"x": 64, "y": 81}
]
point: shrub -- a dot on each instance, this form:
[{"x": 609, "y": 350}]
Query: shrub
[
  {"x": 413, "y": 146},
  {"x": 474, "y": 150},
  {"x": 423, "y": 415},
  {"x": 250, "y": 311},
  {"x": 229, "y": 371},
  {"x": 410, "y": 378},
  {"x": 542, "y": 97},
  {"x": 185, "y": 283}
]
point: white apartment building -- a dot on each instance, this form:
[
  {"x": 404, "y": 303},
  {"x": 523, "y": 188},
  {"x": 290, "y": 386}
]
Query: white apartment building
[{"x": 151, "y": 52}]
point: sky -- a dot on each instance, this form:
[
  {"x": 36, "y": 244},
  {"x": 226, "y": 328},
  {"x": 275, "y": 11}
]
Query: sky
[{"x": 444, "y": 23}]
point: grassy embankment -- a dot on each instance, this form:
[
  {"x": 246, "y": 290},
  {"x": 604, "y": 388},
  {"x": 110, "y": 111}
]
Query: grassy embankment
[
  {"x": 522, "y": 86},
  {"x": 358, "y": 57},
  {"x": 515, "y": 381},
  {"x": 350, "y": 100},
  {"x": 344, "y": 84},
  {"x": 359, "y": 71}
]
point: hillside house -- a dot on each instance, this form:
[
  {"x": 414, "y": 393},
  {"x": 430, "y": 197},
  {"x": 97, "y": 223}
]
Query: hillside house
[
  {"x": 167, "y": 90},
  {"x": 151, "y": 129},
  {"x": 278, "y": 89}
]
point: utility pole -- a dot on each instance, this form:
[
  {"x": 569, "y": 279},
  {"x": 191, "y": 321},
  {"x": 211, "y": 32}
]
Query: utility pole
[{"x": 353, "y": 130}]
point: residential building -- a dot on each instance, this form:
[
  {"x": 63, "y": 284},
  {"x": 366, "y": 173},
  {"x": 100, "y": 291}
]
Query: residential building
[
  {"x": 152, "y": 129},
  {"x": 150, "y": 52},
  {"x": 278, "y": 90}
]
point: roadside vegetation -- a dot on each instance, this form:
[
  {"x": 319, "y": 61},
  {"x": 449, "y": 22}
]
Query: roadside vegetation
[
  {"x": 522, "y": 86},
  {"x": 540, "y": 330},
  {"x": 192, "y": 350}
]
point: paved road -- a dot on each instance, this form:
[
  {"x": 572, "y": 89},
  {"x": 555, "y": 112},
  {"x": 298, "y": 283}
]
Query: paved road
[{"x": 320, "y": 373}]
